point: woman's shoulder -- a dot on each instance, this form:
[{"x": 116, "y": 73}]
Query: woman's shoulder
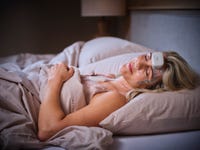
[{"x": 112, "y": 95}]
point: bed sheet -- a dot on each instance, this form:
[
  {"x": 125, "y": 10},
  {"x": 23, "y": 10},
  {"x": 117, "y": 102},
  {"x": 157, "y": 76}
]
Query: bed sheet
[{"x": 180, "y": 141}]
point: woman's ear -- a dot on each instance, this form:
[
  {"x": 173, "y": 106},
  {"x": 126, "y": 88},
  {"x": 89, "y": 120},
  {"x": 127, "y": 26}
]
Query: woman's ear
[
  {"x": 156, "y": 84},
  {"x": 145, "y": 84}
]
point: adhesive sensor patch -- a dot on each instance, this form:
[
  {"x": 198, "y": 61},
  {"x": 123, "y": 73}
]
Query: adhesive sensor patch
[{"x": 157, "y": 60}]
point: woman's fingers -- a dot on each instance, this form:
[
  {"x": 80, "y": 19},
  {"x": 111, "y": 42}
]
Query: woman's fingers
[
  {"x": 60, "y": 71},
  {"x": 70, "y": 72}
]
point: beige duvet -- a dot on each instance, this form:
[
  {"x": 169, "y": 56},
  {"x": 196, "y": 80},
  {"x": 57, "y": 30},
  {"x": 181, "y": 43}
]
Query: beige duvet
[{"x": 20, "y": 87}]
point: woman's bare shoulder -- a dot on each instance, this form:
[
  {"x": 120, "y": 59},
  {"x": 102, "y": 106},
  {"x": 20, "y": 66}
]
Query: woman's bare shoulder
[{"x": 109, "y": 96}]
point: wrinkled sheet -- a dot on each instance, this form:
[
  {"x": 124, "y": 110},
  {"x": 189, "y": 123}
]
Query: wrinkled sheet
[{"x": 20, "y": 102}]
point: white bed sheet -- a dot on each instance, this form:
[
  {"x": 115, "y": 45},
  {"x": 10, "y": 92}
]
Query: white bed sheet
[
  {"x": 179, "y": 141},
  {"x": 169, "y": 141}
]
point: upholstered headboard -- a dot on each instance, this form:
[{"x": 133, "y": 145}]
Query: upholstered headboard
[{"x": 167, "y": 27}]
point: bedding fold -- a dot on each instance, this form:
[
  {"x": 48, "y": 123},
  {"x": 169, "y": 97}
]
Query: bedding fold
[{"x": 21, "y": 86}]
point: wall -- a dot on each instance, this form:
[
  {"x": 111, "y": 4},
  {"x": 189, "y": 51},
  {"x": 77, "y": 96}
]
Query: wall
[
  {"x": 48, "y": 26},
  {"x": 44, "y": 26},
  {"x": 169, "y": 30}
]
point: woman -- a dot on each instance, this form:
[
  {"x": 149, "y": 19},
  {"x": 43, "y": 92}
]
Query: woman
[{"x": 140, "y": 74}]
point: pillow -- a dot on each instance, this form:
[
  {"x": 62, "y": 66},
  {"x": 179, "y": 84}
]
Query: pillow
[
  {"x": 109, "y": 65},
  {"x": 151, "y": 113},
  {"x": 103, "y": 47}
]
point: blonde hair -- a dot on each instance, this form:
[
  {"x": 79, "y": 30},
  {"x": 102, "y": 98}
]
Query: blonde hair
[{"x": 177, "y": 75}]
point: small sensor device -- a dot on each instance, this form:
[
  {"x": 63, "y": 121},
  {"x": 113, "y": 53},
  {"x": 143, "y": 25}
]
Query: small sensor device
[{"x": 157, "y": 60}]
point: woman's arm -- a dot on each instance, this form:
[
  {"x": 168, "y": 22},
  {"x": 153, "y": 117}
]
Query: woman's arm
[
  {"x": 50, "y": 110},
  {"x": 90, "y": 115},
  {"x": 52, "y": 119}
]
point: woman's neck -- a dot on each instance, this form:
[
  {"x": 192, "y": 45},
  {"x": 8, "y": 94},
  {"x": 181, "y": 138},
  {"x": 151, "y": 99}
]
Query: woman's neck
[{"x": 121, "y": 85}]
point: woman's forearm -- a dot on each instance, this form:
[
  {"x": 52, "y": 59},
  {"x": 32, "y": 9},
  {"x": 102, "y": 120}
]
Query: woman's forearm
[
  {"x": 51, "y": 113},
  {"x": 50, "y": 110}
]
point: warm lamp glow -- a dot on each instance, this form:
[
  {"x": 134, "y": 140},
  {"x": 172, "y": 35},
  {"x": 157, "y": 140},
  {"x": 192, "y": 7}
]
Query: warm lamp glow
[{"x": 103, "y": 8}]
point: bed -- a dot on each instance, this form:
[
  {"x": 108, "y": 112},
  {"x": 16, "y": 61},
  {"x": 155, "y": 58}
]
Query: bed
[{"x": 165, "y": 120}]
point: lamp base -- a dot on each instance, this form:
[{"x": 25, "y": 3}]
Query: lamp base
[{"x": 102, "y": 27}]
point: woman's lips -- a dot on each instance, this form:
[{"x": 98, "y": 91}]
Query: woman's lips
[{"x": 130, "y": 67}]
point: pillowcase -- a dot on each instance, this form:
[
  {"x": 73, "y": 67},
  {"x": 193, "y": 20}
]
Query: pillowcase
[
  {"x": 151, "y": 113},
  {"x": 104, "y": 47},
  {"x": 109, "y": 65}
]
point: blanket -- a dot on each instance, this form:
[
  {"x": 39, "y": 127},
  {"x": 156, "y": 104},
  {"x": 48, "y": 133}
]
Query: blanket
[{"x": 22, "y": 82}]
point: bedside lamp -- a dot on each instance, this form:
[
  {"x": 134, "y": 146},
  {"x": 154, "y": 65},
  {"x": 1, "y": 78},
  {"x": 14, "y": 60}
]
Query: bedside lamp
[{"x": 102, "y": 9}]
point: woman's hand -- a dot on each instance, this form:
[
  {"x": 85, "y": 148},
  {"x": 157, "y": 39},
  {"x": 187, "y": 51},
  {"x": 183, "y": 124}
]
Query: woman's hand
[
  {"x": 51, "y": 112},
  {"x": 60, "y": 73}
]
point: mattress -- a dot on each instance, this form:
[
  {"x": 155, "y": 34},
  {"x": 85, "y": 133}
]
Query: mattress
[{"x": 180, "y": 141}]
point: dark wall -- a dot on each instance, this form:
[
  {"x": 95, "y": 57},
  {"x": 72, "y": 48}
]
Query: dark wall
[{"x": 45, "y": 26}]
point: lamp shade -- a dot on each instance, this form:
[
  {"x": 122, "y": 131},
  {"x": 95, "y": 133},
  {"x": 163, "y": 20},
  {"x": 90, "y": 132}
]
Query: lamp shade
[{"x": 103, "y": 8}]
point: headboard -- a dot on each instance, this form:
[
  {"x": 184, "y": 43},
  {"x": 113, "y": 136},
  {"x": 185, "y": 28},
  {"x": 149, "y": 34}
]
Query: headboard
[{"x": 168, "y": 29}]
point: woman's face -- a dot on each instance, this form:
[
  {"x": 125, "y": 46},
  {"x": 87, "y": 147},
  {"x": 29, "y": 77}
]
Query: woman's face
[{"x": 138, "y": 70}]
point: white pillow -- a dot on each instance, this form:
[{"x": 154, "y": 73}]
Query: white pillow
[
  {"x": 109, "y": 65},
  {"x": 104, "y": 47},
  {"x": 149, "y": 112}
]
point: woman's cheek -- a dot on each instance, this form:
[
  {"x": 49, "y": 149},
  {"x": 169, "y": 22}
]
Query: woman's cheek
[{"x": 122, "y": 70}]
